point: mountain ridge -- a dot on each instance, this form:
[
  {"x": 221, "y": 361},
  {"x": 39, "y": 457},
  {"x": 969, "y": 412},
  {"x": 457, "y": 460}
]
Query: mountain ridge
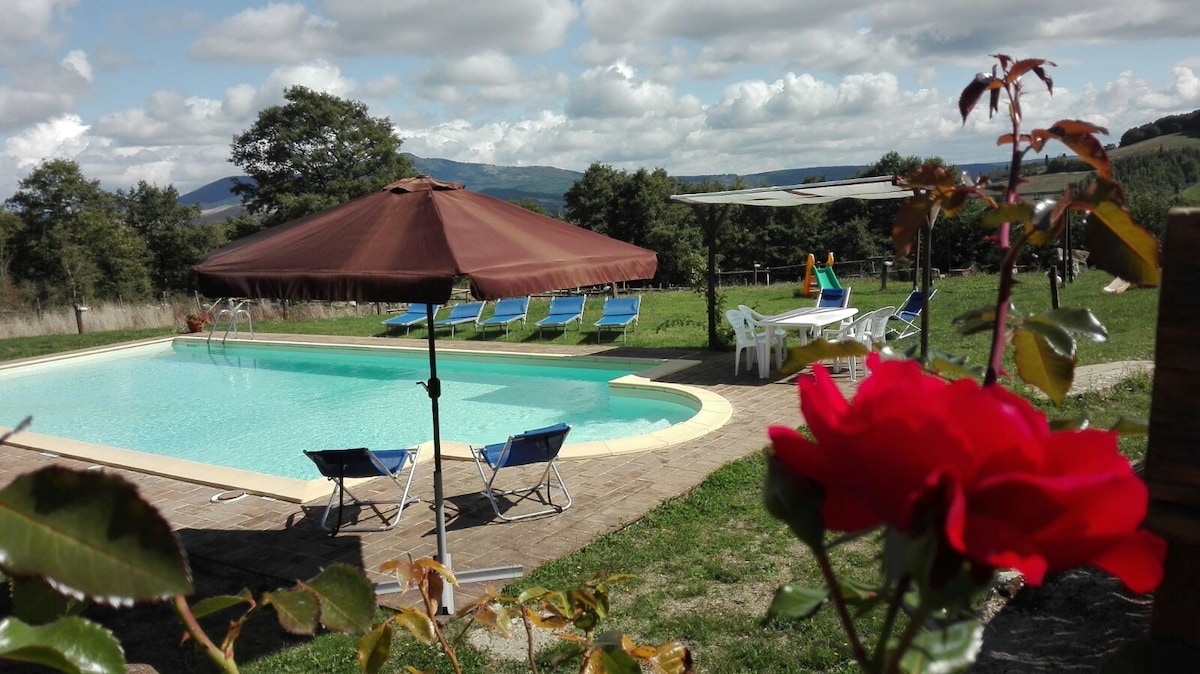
[{"x": 545, "y": 185}]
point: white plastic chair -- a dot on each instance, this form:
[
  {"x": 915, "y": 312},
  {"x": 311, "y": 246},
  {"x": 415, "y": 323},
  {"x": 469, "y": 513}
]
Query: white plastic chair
[
  {"x": 858, "y": 330},
  {"x": 878, "y": 329},
  {"x": 778, "y": 338},
  {"x": 747, "y": 339}
]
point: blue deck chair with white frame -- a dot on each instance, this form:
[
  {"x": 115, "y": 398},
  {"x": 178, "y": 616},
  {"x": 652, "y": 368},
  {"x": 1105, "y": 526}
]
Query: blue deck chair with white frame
[
  {"x": 467, "y": 312},
  {"x": 508, "y": 310},
  {"x": 832, "y": 298},
  {"x": 564, "y": 310},
  {"x": 907, "y": 316},
  {"x": 415, "y": 314},
  {"x": 538, "y": 447},
  {"x": 339, "y": 465},
  {"x": 618, "y": 312}
]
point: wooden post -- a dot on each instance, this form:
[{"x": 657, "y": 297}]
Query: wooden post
[{"x": 1173, "y": 451}]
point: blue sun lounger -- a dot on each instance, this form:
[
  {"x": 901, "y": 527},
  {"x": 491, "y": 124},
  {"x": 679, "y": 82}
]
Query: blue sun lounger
[
  {"x": 619, "y": 312},
  {"x": 339, "y": 464},
  {"x": 538, "y": 446},
  {"x": 467, "y": 312},
  {"x": 564, "y": 310},
  {"x": 507, "y": 311},
  {"x": 414, "y": 315},
  {"x": 908, "y": 316}
]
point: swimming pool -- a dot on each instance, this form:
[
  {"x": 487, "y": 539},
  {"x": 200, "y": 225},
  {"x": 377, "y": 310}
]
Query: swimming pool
[{"x": 253, "y": 406}]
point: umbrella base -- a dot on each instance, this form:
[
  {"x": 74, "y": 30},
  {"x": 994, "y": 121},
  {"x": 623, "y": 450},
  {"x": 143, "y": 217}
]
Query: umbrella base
[{"x": 465, "y": 576}]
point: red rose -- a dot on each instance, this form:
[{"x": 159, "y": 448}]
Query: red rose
[{"x": 1012, "y": 493}]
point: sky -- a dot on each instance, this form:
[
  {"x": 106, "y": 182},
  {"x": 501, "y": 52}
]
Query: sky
[{"x": 155, "y": 91}]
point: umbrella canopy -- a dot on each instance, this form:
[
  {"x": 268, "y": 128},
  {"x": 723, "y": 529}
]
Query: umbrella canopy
[{"x": 408, "y": 242}]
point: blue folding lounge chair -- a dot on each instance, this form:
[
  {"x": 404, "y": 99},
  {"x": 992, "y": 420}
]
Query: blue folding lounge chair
[
  {"x": 531, "y": 447},
  {"x": 834, "y": 298},
  {"x": 619, "y": 312},
  {"x": 341, "y": 464},
  {"x": 467, "y": 312},
  {"x": 908, "y": 314},
  {"x": 412, "y": 316},
  {"x": 564, "y": 310},
  {"x": 507, "y": 311}
]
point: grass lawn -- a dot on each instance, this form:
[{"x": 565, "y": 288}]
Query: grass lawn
[{"x": 707, "y": 563}]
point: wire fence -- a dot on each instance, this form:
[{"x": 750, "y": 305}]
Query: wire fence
[{"x": 849, "y": 269}]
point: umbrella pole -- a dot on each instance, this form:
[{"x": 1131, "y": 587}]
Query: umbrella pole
[{"x": 434, "y": 388}]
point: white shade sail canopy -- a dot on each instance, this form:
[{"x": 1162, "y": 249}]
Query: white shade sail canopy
[{"x": 878, "y": 187}]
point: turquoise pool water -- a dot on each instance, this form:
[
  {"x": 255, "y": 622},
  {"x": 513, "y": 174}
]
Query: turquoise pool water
[{"x": 256, "y": 408}]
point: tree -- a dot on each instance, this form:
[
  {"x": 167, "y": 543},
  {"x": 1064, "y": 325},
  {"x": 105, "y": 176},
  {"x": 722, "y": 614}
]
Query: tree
[
  {"x": 530, "y": 204},
  {"x": 168, "y": 228},
  {"x": 590, "y": 200},
  {"x": 73, "y": 243},
  {"x": 314, "y": 152}
]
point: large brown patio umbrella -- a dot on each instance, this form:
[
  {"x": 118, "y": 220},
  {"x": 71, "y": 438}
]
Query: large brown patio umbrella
[{"x": 408, "y": 243}]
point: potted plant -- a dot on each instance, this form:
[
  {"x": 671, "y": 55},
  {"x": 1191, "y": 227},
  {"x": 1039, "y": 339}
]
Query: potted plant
[{"x": 196, "y": 321}]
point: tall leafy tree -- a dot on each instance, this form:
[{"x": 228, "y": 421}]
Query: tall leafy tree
[
  {"x": 170, "y": 231},
  {"x": 73, "y": 243},
  {"x": 591, "y": 199},
  {"x": 313, "y": 152}
]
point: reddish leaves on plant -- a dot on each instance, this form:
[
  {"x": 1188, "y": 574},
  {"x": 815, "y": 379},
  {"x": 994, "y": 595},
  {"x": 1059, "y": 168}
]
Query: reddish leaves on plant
[
  {"x": 1080, "y": 137},
  {"x": 970, "y": 95},
  {"x": 1030, "y": 65}
]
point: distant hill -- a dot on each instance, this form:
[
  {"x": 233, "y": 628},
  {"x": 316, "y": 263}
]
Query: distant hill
[
  {"x": 1046, "y": 183},
  {"x": 544, "y": 184},
  {"x": 213, "y": 195}
]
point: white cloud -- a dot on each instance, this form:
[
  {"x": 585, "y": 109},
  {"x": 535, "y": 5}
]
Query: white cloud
[
  {"x": 616, "y": 91},
  {"x": 277, "y": 33},
  {"x": 60, "y": 138},
  {"x": 290, "y": 33},
  {"x": 43, "y": 89},
  {"x": 29, "y": 22}
]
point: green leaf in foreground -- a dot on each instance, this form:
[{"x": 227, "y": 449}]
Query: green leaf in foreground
[
  {"x": 73, "y": 645},
  {"x": 1077, "y": 321},
  {"x": 346, "y": 597},
  {"x": 90, "y": 535},
  {"x": 793, "y": 601},
  {"x": 374, "y": 648},
  {"x": 1043, "y": 365},
  {"x": 950, "y": 650},
  {"x": 1121, "y": 247},
  {"x": 800, "y": 356},
  {"x": 1131, "y": 425},
  {"x": 297, "y": 609}
]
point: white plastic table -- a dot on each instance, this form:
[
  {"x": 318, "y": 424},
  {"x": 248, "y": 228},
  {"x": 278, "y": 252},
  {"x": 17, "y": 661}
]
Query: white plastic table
[{"x": 805, "y": 320}]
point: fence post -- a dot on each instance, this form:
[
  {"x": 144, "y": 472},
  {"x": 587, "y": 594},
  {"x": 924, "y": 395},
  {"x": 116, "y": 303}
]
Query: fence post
[{"x": 79, "y": 317}]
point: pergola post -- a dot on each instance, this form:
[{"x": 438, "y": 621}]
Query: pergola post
[{"x": 1173, "y": 451}]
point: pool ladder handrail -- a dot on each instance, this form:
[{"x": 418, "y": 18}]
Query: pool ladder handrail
[{"x": 231, "y": 315}]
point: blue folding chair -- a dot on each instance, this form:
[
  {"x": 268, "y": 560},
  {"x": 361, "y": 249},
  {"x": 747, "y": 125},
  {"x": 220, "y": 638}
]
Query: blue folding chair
[
  {"x": 508, "y": 310},
  {"x": 618, "y": 312},
  {"x": 414, "y": 315},
  {"x": 340, "y": 464},
  {"x": 467, "y": 312},
  {"x": 834, "y": 298},
  {"x": 564, "y": 310},
  {"x": 539, "y": 446},
  {"x": 908, "y": 314}
]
